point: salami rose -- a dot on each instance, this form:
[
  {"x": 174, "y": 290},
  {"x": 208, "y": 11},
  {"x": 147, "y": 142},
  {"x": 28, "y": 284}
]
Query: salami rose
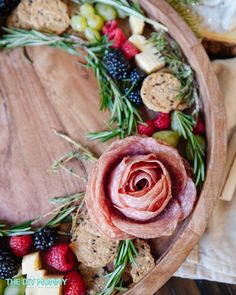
[{"x": 139, "y": 188}]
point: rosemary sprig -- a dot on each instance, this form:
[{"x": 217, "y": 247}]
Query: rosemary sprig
[
  {"x": 168, "y": 49},
  {"x": 129, "y": 7},
  {"x": 124, "y": 116},
  {"x": 184, "y": 126},
  {"x": 60, "y": 213},
  {"x": 125, "y": 254}
]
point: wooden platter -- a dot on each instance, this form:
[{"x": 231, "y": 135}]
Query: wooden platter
[{"x": 54, "y": 92}]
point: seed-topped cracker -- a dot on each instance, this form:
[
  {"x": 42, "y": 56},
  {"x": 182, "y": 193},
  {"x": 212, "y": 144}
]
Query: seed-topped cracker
[
  {"x": 144, "y": 261},
  {"x": 94, "y": 278},
  {"x": 21, "y": 16},
  {"x": 159, "y": 92},
  {"x": 49, "y": 16},
  {"x": 91, "y": 247}
]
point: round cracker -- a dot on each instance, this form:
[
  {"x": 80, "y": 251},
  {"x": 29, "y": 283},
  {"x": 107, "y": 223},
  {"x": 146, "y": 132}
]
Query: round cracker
[
  {"x": 49, "y": 16},
  {"x": 159, "y": 92}
]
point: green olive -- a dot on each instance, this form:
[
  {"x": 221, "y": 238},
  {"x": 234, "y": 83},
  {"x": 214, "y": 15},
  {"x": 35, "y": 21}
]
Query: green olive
[{"x": 170, "y": 137}]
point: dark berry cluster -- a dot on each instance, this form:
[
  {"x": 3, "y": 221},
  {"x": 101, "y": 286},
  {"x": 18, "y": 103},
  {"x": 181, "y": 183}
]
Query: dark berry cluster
[
  {"x": 45, "y": 238},
  {"x": 9, "y": 265},
  {"x": 137, "y": 76},
  {"x": 133, "y": 96},
  {"x": 116, "y": 64}
]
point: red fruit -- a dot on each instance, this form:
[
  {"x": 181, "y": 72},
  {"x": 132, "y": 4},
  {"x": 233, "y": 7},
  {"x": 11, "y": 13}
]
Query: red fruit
[
  {"x": 118, "y": 37},
  {"x": 129, "y": 49},
  {"x": 199, "y": 129},
  {"x": 146, "y": 128},
  {"x": 21, "y": 245},
  {"x": 74, "y": 285},
  {"x": 162, "y": 121},
  {"x": 61, "y": 258},
  {"x": 109, "y": 26}
]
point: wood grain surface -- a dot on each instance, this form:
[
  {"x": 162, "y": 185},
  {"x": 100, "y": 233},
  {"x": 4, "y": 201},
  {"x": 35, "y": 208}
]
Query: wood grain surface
[{"x": 54, "y": 92}]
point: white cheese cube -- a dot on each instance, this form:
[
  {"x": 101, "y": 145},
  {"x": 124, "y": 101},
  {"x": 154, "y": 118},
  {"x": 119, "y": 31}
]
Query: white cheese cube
[
  {"x": 148, "y": 61},
  {"x": 31, "y": 263},
  {"x": 31, "y": 279},
  {"x": 136, "y": 24},
  {"x": 50, "y": 285},
  {"x": 140, "y": 42}
]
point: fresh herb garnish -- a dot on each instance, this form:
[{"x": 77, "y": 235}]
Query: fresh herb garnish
[
  {"x": 184, "y": 124},
  {"x": 126, "y": 253},
  {"x": 61, "y": 214}
]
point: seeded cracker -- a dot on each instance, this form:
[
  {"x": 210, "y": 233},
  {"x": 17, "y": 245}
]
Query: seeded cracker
[
  {"x": 21, "y": 16},
  {"x": 92, "y": 248},
  {"x": 94, "y": 278},
  {"x": 144, "y": 262},
  {"x": 50, "y": 16},
  {"x": 159, "y": 91}
]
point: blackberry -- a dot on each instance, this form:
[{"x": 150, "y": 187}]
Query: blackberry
[
  {"x": 134, "y": 96},
  {"x": 137, "y": 76},
  {"x": 9, "y": 265},
  {"x": 116, "y": 64},
  {"x": 45, "y": 238}
]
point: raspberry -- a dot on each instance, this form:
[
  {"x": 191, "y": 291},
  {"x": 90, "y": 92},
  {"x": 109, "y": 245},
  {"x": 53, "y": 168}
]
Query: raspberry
[
  {"x": 118, "y": 37},
  {"x": 21, "y": 245},
  {"x": 146, "y": 128},
  {"x": 129, "y": 50},
  {"x": 109, "y": 26},
  {"x": 162, "y": 121},
  {"x": 61, "y": 258},
  {"x": 199, "y": 128},
  {"x": 75, "y": 284}
]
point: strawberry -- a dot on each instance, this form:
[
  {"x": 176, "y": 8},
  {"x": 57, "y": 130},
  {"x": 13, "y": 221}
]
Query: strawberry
[
  {"x": 61, "y": 258},
  {"x": 129, "y": 50},
  {"x": 74, "y": 285},
  {"x": 146, "y": 128},
  {"x": 118, "y": 37},
  {"x": 162, "y": 121},
  {"x": 199, "y": 128},
  {"x": 109, "y": 26},
  {"x": 21, "y": 245}
]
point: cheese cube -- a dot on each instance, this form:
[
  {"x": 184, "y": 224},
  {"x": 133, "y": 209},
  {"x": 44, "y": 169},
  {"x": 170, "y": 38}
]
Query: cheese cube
[
  {"x": 140, "y": 42},
  {"x": 148, "y": 61},
  {"x": 32, "y": 286},
  {"x": 31, "y": 263},
  {"x": 50, "y": 285},
  {"x": 136, "y": 24}
]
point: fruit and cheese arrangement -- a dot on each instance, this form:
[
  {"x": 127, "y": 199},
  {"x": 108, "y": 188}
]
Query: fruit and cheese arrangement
[{"x": 144, "y": 184}]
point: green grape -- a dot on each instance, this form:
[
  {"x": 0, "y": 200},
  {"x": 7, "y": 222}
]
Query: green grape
[
  {"x": 86, "y": 10},
  {"x": 106, "y": 11},
  {"x": 95, "y": 22},
  {"x": 189, "y": 151},
  {"x": 170, "y": 137},
  {"x": 3, "y": 285},
  {"x": 78, "y": 23},
  {"x": 92, "y": 35}
]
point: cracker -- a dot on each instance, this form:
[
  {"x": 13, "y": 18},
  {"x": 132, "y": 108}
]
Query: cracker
[
  {"x": 49, "y": 16},
  {"x": 24, "y": 10},
  {"x": 144, "y": 261},
  {"x": 73, "y": 8},
  {"x": 91, "y": 247},
  {"x": 159, "y": 91},
  {"x": 94, "y": 278},
  {"x": 20, "y": 17}
]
